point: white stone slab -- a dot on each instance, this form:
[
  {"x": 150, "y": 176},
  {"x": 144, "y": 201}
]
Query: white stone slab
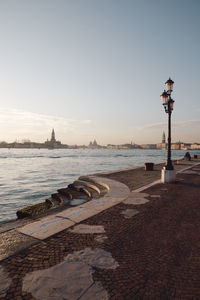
[
  {"x": 145, "y": 187},
  {"x": 87, "y": 229},
  {"x": 129, "y": 213},
  {"x": 100, "y": 238},
  {"x": 101, "y": 204},
  {"x": 65, "y": 279},
  {"x": 72, "y": 279},
  {"x": 117, "y": 189},
  {"x": 191, "y": 166},
  {"x": 77, "y": 214},
  {"x": 45, "y": 227},
  {"x": 135, "y": 201},
  {"x": 97, "y": 258},
  {"x": 136, "y": 198},
  {"x": 196, "y": 169},
  {"x": 117, "y": 193},
  {"x": 138, "y": 195}
]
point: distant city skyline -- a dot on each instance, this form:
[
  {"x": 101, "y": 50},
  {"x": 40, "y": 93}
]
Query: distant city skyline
[
  {"x": 51, "y": 141},
  {"x": 36, "y": 127},
  {"x": 95, "y": 70}
]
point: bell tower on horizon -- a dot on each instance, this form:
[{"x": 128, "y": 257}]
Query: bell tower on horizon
[
  {"x": 53, "y": 139},
  {"x": 163, "y": 138}
]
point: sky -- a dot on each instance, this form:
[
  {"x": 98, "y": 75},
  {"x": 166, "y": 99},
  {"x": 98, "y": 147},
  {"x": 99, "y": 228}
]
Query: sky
[{"x": 95, "y": 69}]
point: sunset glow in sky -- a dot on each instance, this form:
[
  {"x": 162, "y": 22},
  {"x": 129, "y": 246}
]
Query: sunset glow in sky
[{"x": 96, "y": 69}]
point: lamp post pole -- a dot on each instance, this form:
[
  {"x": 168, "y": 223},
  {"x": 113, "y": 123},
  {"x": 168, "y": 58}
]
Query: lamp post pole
[
  {"x": 168, "y": 173},
  {"x": 169, "y": 165}
]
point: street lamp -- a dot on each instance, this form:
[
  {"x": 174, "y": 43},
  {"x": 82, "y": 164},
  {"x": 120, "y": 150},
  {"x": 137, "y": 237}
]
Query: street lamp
[{"x": 168, "y": 173}]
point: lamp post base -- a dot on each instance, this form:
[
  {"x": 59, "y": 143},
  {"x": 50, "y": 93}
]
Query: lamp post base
[{"x": 168, "y": 176}]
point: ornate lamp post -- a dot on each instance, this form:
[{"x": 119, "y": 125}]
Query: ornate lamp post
[{"x": 168, "y": 173}]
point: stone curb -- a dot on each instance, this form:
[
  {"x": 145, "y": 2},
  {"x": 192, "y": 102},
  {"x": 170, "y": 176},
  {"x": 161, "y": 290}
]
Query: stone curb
[{"x": 48, "y": 226}]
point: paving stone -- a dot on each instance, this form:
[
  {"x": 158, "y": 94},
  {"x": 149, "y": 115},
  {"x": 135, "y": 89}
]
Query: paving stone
[
  {"x": 101, "y": 238},
  {"x": 5, "y": 281},
  {"x": 138, "y": 194},
  {"x": 77, "y": 214},
  {"x": 137, "y": 201},
  {"x": 98, "y": 258},
  {"x": 46, "y": 227},
  {"x": 64, "y": 281},
  {"x": 129, "y": 213},
  {"x": 136, "y": 198},
  {"x": 102, "y": 204},
  {"x": 84, "y": 229},
  {"x": 71, "y": 279}
]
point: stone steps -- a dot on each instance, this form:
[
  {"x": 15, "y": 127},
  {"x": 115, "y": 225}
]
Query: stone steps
[
  {"x": 98, "y": 183},
  {"x": 85, "y": 188}
]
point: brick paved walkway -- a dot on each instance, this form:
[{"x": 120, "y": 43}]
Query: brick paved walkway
[{"x": 156, "y": 252}]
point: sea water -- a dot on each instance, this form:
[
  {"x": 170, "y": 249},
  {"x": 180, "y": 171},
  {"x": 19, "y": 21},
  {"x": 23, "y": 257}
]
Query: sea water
[{"x": 29, "y": 176}]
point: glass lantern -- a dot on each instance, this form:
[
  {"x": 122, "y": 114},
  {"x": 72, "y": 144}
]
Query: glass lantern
[
  {"x": 169, "y": 85},
  {"x": 164, "y": 97}
]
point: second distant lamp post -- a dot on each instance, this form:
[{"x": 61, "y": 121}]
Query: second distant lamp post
[{"x": 168, "y": 173}]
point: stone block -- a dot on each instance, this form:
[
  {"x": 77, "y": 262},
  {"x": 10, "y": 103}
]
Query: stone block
[
  {"x": 77, "y": 214},
  {"x": 45, "y": 227},
  {"x": 168, "y": 176},
  {"x": 101, "y": 204}
]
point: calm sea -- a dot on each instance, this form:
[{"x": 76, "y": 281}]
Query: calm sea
[{"x": 30, "y": 175}]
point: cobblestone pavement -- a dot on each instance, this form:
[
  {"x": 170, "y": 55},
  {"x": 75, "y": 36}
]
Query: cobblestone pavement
[
  {"x": 156, "y": 251},
  {"x": 138, "y": 177}
]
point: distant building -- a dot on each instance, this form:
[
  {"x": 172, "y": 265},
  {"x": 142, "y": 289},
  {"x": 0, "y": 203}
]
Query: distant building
[
  {"x": 162, "y": 145},
  {"x": 185, "y": 146},
  {"x": 110, "y": 146},
  {"x": 94, "y": 145},
  {"x": 163, "y": 138},
  {"x": 148, "y": 146},
  {"x": 195, "y": 146},
  {"x": 53, "y": 139},
  {"x": 53, "y": 143},
  {"x": 176, "y": 146}
]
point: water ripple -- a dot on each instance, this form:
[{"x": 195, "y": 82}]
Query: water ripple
[{"x": 31, "y": 175}]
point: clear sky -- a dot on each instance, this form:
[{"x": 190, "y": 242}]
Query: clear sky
[{"x": 96, "y": 69}]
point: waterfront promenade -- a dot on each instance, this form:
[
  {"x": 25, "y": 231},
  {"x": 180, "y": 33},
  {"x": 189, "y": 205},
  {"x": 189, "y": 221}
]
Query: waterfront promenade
[{"x": 140, "y": 241}]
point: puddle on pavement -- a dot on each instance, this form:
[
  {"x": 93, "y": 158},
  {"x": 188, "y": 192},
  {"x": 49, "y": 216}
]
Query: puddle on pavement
[{"x": 76, "y": 202}]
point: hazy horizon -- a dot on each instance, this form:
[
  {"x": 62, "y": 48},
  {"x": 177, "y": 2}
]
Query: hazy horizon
[
  {"x": 28, "y": 139},
  {"x": 95, "y": 70}
]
